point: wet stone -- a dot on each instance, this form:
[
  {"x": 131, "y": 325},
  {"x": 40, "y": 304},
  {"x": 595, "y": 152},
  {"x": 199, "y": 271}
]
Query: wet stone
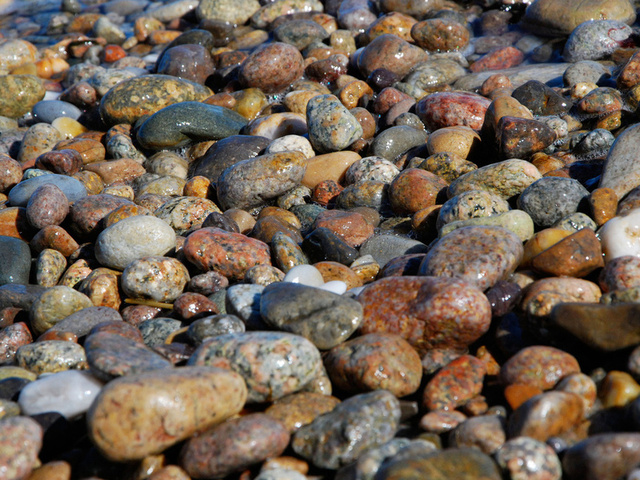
[
  {"x": 538, "y": 366},
  {"x": 252, "y": 354},
  {"x": 483, "y": 255},
  {"x": 13, "y": 337},
  {"x": 15, "y": 261},
  {"x": 484, "y": 432},
  {"x": 595, "y": 40},
  {"x": 322, "y": 244},
  {"x": 455, "y": 384},
  {"x": 183, "y": 213},
  {"x": 50, "y": 266},
  {"x": 72, "y": 188},
  {"x": 620, "y": 173},
  {"x": 51, "y": 356},
  {"x": 213, "y": 326},
  {"x": 575, "y": 256},
  {"x": 82, "y": 321},
  {"x": 272, "y": 67},
  {"x": 447, "y": 109},
  {"x": 471, "y": 204},
  {"x": 234, "y": 445},
  {"x": 19, "y": 94},
  {"x": 286, "y": 251},
  {"x": 402, "y": 191},
  {"x": 191, "y": 62},
  {"x": 243, "y": 300},
  {"x": 159, "y": 278},
  {"x": 392, "y": 53},
  {"x": 331, "y": 126},
  {"x": 594, "y": 457},
  {"x": 521, "y": 137},
  {"x": 155, "y": 331},
  {"x": 55, "y": 304},
  {"x": 551, "y": 198},
  {"x": 323, "y": 443},
  {"x": 22, "y": 441},
  {"x": 528, "y": 459}
]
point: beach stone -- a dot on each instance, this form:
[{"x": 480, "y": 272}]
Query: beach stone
[
  {"x": 541, "y": 99},
  {"x": 371, "y": 168},
  {"x": 64, "y": 161},
  {"x": 522, "y": 137},
  {"x": 223, "y": 11},
  {"x": 587, "y": 322},
  {"x": 184, "y": 213},
  {"x": 337, "y": 272},
  {"x": 526, "y": 458},
  {"x": 484, "y": 432},
  {"x": 159, "y": 278},
  {"x": 73, "y": 189},
  {"x": 551, "y": 198},
  {"x": 88, "y": 213},
  {"x": 499, "y": 58},
  {"x": 189, "y": 306},
  {"x": 19, "y": 94},
  {"x": 506, "y": 179},
  {"x": 55, "y": 304},
  {"x": 402, "y": 191},
  {"x": 175, "y": 405},
  {"x": 350, "y": 226},
  {"x": 448, "y": 109},
  {"x": 394, "y": 141},
  {"x": 458, "y": 142},
  {"x": 234, "y": 445},
  {"x": 286, "y": 252},
  {"x": 192, "y": 62},
  {"x": 40, "y": 138},
  {"x": 471, "y": 204},
  {"x": 300, "y": 33},
  {"x": 603, "y": 456},
  {"x": 271, "y": 67},
  {"x": 110, "y": 355},
  {"x": 51, "y": 356},
  {"x": 230, "y": 254},
  {"x": 484, "y": 255},
  {"x": 392, "y": 53},
  {"x": 574, "y": 256},
  {"x": 323, "y": 441},
  {"x": 69, "y": 393},
  {"x": 324, "y": 318},
  {"x": 13, "y": 337},
  {"x": 82, "y": 321},
  {"x": 376, "y": 361},
  {"x": 538, "y": 366},
  {"x": 11, "y": 173},
  {"x": 459, "y": 463},
  {"x": 620, "y": 273},
  {"x": 48, "y": 110},
  {"x": 455, "y": 384},
  {"x": 301, "y": 408},
  {"x": 331, "y": 126},
  {"x": 440, "y": 35},
  {"x": 262, "y": 178},
  {"x": 516, "y": 221},
  {"x": 419, "y": 310},
  {"x": 189, "y": 121},
  {"x": 134, "y": 98},
  {"x": 22, "y": 440},
  {"x": 15, "y": 261},
  {"x": 253, "y": 355},
  {"x": 546, "y": 415},
  {"x": 441, "y": 421},
  {"x": 595, "y": 40},
  {"x": 50, "y": 265},
  {"x": 370, "y": 194},
  {"x": 155, "y": 331},
  {"x": 548, "y": 18},
  {"x": 213, "y": 326},
  {"x": 133, "y": 238},
  {"x": 620, "y": 173},
  {"x": 48, "y": 205},
  {"x": 14, "y": 223},
  {"x": 324, "y": 245},
  {"x": 618, "y": 236}
]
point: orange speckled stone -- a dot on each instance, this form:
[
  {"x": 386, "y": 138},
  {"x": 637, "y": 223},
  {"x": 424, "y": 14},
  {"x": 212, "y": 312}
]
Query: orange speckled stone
[
  {"x": 90, "y": 149},
  {"x": 55, "y": 237},
  {"x": 122, "y": 170},
  {"x": 415, "y": 189},
  {"x": 499, "y": 59},
  {"x": 350, "y": 226},
  {"x": 300, "y": 409},
  {"x": 455, "y": 384},
  {"x": 603, "y": 203},
  {"x": 336, "y": 271},
  {"x": 574, "y": 256},
  {"x": 516, "y": 394},
  {"x": 197, "y": 186},
  {"x": 14, "y": 223},
  {"x": 538, "y": 366},
  {"x": 428, "y": 312},
  {"x": 326, "y": 191}
]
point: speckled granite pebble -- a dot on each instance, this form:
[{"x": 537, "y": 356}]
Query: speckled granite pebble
[
  {"x": 549, "y": 199},
  {"x": 51, "y": 356},
  {"x": 528, "y": 459},
  {"x": 22, "y": 441}
]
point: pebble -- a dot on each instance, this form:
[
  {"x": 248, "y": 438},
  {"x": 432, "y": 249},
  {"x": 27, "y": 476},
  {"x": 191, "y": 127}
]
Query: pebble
[
  {"x": 594, "y": 457},
  {"x": 55, "y": 304},
  {"x": 449, "y": 109},
  {"x": 324, "y": 318},
  {"x": 20, "y": 94},
  {"x": 517, "y": 221},
  {"x": 472, "y": 204},
  {"x": 254, "y": 354},
  {"x": 372, "y": 417},
  {"x": 620, "y": 173},
  {"x": 22, "y": 440},
  {"x": 331, "y": 126},
  {"x": 484, "y": 432},
  {"x": 234, "y": 445},
  {"x": 528, "y": 459},
  {"x": 402, "y": 190},
  {"x": 184, "y": 213},
  {"x": 73, "y": 189},
  {"x": 618, "y": 236},
  {"x": 456, "y": 383},
  {"x": 51, "y": 356},
  {"x": 538, "y": 366},
  {"x": 69, "y": 393},
  {"x": 272, "y": 67},
  {"x": 213, "y": 326},
  {"x": 48, "y": 110},
  {"x": 48, "y": 205},
  {"x": 595, "y": 39},
  {"x": 191, "y": 399},
  {"x": 551, "y": 198},
  {"x": 15, "y": 261}
]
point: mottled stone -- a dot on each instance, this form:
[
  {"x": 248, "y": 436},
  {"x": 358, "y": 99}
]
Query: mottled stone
[
  {"x": 301, "y": 408},
  {"x": 375, "y": 416},
  {"x": 528, "y": 459},
  {"x": 272, "y": 67},
  {"x": 392, "y": 53},
  {"x": 551, "y": 198},
  {"x": 72, "y": 188},
  {"x": 423, "y": 311},
  {"x": 350, "y": 226},
  {"x": 322, "y": 244},
  {"x": 19, "y": 94},
  {"x": 21, "y": 444},
  {"x": 538, "y": 366},
  {"x": 574, "y": 256},
  {"x": 471, "y": 204},
  {"x": 447, "y": 109},
  {"x": 252, "y": 355},
  {"x": 484, "y": 432},
  {"x": 142, "y": 414},
  {"x": 605, "y": 456},
  {"x": 159, "y": 278},
  {"x": 620, "y": 172},
  {"x": 15, "y": 260},
  {"x": 331, "y": 126},
  {"x": 51, "y": 356},
  {"x": 55, "y": 304},
  {"x": 455, "y": 384},
  {"x": 516, "y": 221},
  {"x": 414, "y": 189}
]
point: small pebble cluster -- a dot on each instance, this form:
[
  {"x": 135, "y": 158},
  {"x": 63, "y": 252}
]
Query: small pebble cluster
[{"x": 319, "y": 239}]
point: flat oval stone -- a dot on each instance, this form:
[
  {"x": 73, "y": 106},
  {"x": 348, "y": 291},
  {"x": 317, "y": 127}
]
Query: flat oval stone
[
  {"x": 145, "y": 95},
  {"x": 551, "y": 198},
  {"x": 184, "y": 122},
  {"x": 484, "y": 432},
  {"x": 69, "y": 393},
  {"x": 88, "y": 212},
  {"x": 574, "y": 256},
  {"x": 183, "y": 213},
  {"x": 234, "y": 445},
  {"x": 21, "y": 444},
  {"x": 250, "y": 182},
  {"x": 538, "y": 366},
  {"x": 414, "y": 189},
  {"x": 376, "y": 415},
  {"x": 471, "y": 204},
  {"x": 214, "y": 326},
  {"x": 391, "y": 53},
  {"x": 376, "y": 361},
  {"x": 326, "y": 319},
  {"x": 455, "y": 384},
  {"x": 143, "y": 414},
  {"x": 448, "y": 109},
  {"x": 132, "y": 238},
  {"x": 620, "y": 171},
  {"x": 48, "y": 110},
  {"x": 483, "y": 255},
  {"x": 111, "y": 355},
  {"x": 273, "y": 364},
  {"x": 605, "y": 456},
  {"x": 384, "y": 248},
  {"x": 82, "y": 321},
  {"x": 15, "y": 261},
  {"x": 517, "y": 221},
  {"x": 73, "y": 189},
  {"x": 595, "y": 40},
  {"x": 47, "y": 206},
  {"x": 428, "y": 312},
  {"x": 230, "y": 254},
  {"x": 301, "y": 408},
  {"x": 272, "y": 67}
]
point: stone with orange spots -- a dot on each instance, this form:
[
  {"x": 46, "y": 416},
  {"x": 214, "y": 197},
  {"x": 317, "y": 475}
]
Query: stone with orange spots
[
  {"x": 349, "y": 226},
  {"x": 122, "y": 212},
  {"x": 14, "y": 223},
  {"x": 538, "y": 366},
  {"x": 198, "y": 186},
  {"x": 91, "y": 150},
  {"x": 448, "y": 109},
  {"x": 604, "y": 203},
  {"x": 498, "y": 59},
  {"x": 428, "y": 312},
  {"x": 455, "y": 384},
  {"x": 87, "y": 213},
  {"x": 441, "y": 34},
  {"x": 121, "y": 170},
  {"x": 56, "y": 238},
  {"x": 112, "y": 53},
  {"x": 326, "y": 192}
]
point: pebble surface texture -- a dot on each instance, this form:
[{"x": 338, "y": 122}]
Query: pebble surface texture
[{"x": 319, "y": 240}]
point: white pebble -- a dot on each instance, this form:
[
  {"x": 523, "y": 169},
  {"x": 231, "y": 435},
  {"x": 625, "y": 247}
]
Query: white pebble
[
  {"x": 620, "y": 236},
  {"x": 291, "y": 143},
  {"x": 70, "y": 393},
  {"x": 306, "y": 275},
  {"x": 335, "y": 286}
]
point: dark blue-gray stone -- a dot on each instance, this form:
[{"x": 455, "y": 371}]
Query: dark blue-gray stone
[
  {"x": 19, "y": 296},
  {"x": 324, "y": 245},
  {"x": 387, "y": 247},
  {"x": 48, "y": 110},
  {"x": 182, "y": 122},
  {"x": 72, "y": 188},
  {"x": 15, "y": 261},
  {"x": 551, "y": 198},
  {"x": 395, "y": 141}
]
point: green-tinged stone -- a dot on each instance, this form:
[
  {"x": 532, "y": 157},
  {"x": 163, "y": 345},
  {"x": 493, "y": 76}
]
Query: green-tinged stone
[
  {"x": 517, "y": 221},
  {"x": 19, "y": 93}
]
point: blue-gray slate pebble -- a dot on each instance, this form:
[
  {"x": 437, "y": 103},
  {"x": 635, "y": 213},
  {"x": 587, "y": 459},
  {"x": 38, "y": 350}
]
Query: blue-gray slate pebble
[
  {"x": 15, "y": 261},
  {"x": 394, "y": 141},
  {"x": 72, "y": 188},
  {"x": 325, "y": 318},
  {"x": 182, "y": 122},
  {"x": 243, "y": 300},
  {"x": 551, "y": 198},
  {"x": 48, "y": 110},
  {"x": 384, "y": 248}
]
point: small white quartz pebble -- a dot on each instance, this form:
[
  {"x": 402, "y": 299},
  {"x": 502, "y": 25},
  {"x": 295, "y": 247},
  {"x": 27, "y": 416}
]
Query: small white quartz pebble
[
  {"x": 70, "y": 393},
  {"x": 306, "y": 275},
  {"x": 291, "y": 143},
  {"x": 620, "y": 236},
  {"x": 335, "y": 286}
]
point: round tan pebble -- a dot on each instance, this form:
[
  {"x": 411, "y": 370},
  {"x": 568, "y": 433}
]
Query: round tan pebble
[
  {"x": 329, "y": 166},
  {"x": 603, "y": 203},
  {"x": 538, "y": 366},
  {"x": 336, "y": 271},
  {"x": 55, "y": 470},
  {"x": 459, "y": 140},
  {"x": 243, "y": 219},
  {"x": 197, "y": 186},
  {"x": 617, "y": 389},
  {"x": 299, "y": 409}
]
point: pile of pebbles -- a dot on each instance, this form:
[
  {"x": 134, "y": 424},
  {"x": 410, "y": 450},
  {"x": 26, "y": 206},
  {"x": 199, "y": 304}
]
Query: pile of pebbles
[{"x": 299, "y": 239}]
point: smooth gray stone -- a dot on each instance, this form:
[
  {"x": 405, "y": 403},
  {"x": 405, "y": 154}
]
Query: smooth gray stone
[
  {"x": 72, "y": 188},
  {"x": 551, "y": 198},
  {"x": 48, "y": 110},
  {"x": 622, "y": 169},
  {"x": 394, "y": 141},
  {"x": 15, "y": 261},
  {"x": 243, "y": 301},
  {"x": 384, "y": 248}
]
